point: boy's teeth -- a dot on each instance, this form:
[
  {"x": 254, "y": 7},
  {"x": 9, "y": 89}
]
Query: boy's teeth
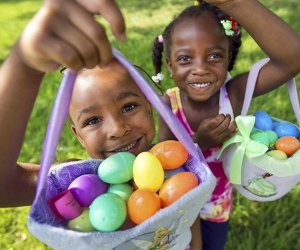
[
  {"x": 130, "y": 146},
  {"x": 200, "y": 85}
]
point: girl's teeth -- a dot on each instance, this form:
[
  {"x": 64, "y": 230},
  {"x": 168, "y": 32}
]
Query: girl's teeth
[
  {"x": 200, "y": 85},
  {"x": 130, "y": 146}
]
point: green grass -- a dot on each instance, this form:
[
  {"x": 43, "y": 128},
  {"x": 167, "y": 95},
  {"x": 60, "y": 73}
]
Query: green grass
[{"x": 254, "y": 225}]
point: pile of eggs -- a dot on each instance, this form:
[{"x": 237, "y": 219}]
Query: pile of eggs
[
  {"x": 127, "y": 190},
  {"x": 281, "y": 137}
]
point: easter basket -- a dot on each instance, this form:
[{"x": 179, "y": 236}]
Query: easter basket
[
  {"x": 169, "y": 227},
  {"x": 247, "y": 164}
]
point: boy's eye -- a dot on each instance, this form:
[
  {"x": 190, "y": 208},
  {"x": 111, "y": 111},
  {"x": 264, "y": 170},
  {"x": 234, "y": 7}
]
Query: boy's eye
[
  {"x": 128, "y": 107},
  {"x": 92, "y": 121}
]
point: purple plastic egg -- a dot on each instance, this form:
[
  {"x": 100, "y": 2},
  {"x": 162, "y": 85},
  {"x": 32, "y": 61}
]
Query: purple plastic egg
[{"x": 86, "y": 188}]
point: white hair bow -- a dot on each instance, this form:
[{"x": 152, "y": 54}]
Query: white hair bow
[{"x": 159, "y": 77}]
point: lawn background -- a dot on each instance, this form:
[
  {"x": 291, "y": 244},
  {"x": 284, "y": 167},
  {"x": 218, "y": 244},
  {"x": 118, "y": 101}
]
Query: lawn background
[{"x": 272, "y": 225}]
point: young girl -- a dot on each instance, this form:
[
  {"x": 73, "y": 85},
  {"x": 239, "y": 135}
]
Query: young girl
[{"x": 201, "y": 46}]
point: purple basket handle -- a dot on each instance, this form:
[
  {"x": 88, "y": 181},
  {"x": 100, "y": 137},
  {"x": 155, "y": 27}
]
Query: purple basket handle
[
  {"x": 252, "y": 78},
  {"x": 61, "y": 108}
]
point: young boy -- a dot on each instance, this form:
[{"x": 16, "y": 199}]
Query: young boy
[{"x": 53, "y": 37}]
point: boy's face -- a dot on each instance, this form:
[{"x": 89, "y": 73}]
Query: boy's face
[{"x": 110, "y": 114}]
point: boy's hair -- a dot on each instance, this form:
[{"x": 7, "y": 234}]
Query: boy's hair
[{"x": 192, "y": 12}]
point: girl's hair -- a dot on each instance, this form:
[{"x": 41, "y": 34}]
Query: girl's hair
[{"x": 192, "y": 12}]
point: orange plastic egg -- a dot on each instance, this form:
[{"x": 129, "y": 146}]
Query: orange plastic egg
[
  {"x": 171, "y": 154},
  {"x": 176, "y": 186},
  {"x": 288, "y": 144},
  {"x": 142, "y": 204}
]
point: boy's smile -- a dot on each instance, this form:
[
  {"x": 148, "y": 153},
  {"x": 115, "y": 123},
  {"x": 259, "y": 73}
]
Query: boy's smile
[{"x": 110, "y": 114}]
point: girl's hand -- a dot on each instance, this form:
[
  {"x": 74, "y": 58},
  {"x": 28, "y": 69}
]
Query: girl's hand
[
  {"x": 66, "y": 32},
  {"x": 214, "y": 131}
]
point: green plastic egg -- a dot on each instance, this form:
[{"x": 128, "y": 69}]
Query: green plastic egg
[
  {"x": 261, "y": 137},
  {"x": 117, "y": 168},
  {"x": 124, "y": 190},
  {"x": 278, "y": 154},
  {"x": 108, "y": 212},
  {"x": 82, "y": 222},
  {"x": 272, "y": 136}
]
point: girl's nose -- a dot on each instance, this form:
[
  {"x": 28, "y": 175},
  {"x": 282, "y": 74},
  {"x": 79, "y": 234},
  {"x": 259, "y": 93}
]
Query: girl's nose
[
  {"x": 117, "y": 127},
  {"x": 200, "y": 67}
]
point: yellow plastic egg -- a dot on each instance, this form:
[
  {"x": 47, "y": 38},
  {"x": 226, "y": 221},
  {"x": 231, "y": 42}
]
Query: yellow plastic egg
[{"x": 148, "y": 172}]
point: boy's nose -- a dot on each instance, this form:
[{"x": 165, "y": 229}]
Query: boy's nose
[{"x": 117, "y": 127}]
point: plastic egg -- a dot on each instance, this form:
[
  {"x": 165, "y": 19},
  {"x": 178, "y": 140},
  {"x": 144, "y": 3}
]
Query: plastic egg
[
  {"x": 263, "y": 121},
  {"x": 142, "y": 204},
  {"x": 261, "y": 137},
  {"x": 287, "y": 129},
  {"x": 278, "y": 154},
  {"x": 86, "y": 188},
  {"x": 108, "y": 212},
  {"x": 176, "y": 186},
  {"x": 171, "y": 154},
  {"x": 288, "y": 144},
  {"x": 82, "y": 222},
  {"x": 169, "y": 173},
  {"x": 124, "y": 190},
  {"x": 148, "y": 172},
  {"x": 117, "y": 168},
  {"x": 272, "y": 136}
]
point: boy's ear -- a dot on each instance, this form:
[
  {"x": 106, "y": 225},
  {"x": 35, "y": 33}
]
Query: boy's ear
[{"x": 77, "y": 135}]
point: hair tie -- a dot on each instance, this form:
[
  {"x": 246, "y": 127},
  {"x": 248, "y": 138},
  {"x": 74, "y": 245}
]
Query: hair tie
[
  {"x": 160, "y": 39},
  {"x": 196, "y": 3},
  {"x": 230, "y": 26},
  {"x": 159, "y": 77}
]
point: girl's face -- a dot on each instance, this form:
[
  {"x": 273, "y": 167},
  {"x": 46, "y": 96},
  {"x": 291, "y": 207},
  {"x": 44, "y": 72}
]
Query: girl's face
[
  {"x": 199, "y": 56},
  {"x": 110, "y": 114}
]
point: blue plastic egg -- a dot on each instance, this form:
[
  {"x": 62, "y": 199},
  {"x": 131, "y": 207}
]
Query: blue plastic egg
[
  {"x": 108, "y": 212},
  {"x": 263, "y": 121},
  {"x": 287, "y": 129},
  {"x": 117, "y": 168}
]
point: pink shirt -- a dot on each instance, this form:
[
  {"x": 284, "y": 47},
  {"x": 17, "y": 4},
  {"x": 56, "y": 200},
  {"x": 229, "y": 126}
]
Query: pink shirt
[{"x": 217, "y": 209}]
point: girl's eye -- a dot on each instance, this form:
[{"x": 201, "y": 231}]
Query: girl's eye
[
  {"x": 92, "y": 121},
  {"x": 128, "y": 107},
  {"x": 215, "y": 56},
  {"x": 183, "y": 58}
]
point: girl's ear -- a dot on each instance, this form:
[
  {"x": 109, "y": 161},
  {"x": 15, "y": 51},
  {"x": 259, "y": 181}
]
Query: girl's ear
[
  {"x": 77, "y": 135},
  {"x": 169, "y": 65}
]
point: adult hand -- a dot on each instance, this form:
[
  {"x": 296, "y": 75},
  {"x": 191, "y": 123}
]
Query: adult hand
[
  {"x": 214, "y": 131},
  {"x": 66, "y": 32}
]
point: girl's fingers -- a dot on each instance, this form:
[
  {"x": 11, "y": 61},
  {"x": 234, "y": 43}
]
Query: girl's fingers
[
  {"x": 111, "y": 12},
  {"x": 86, "y": 49},
  {"x": 60, "y": 52},
  {"x": 86, "y": 24}
]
